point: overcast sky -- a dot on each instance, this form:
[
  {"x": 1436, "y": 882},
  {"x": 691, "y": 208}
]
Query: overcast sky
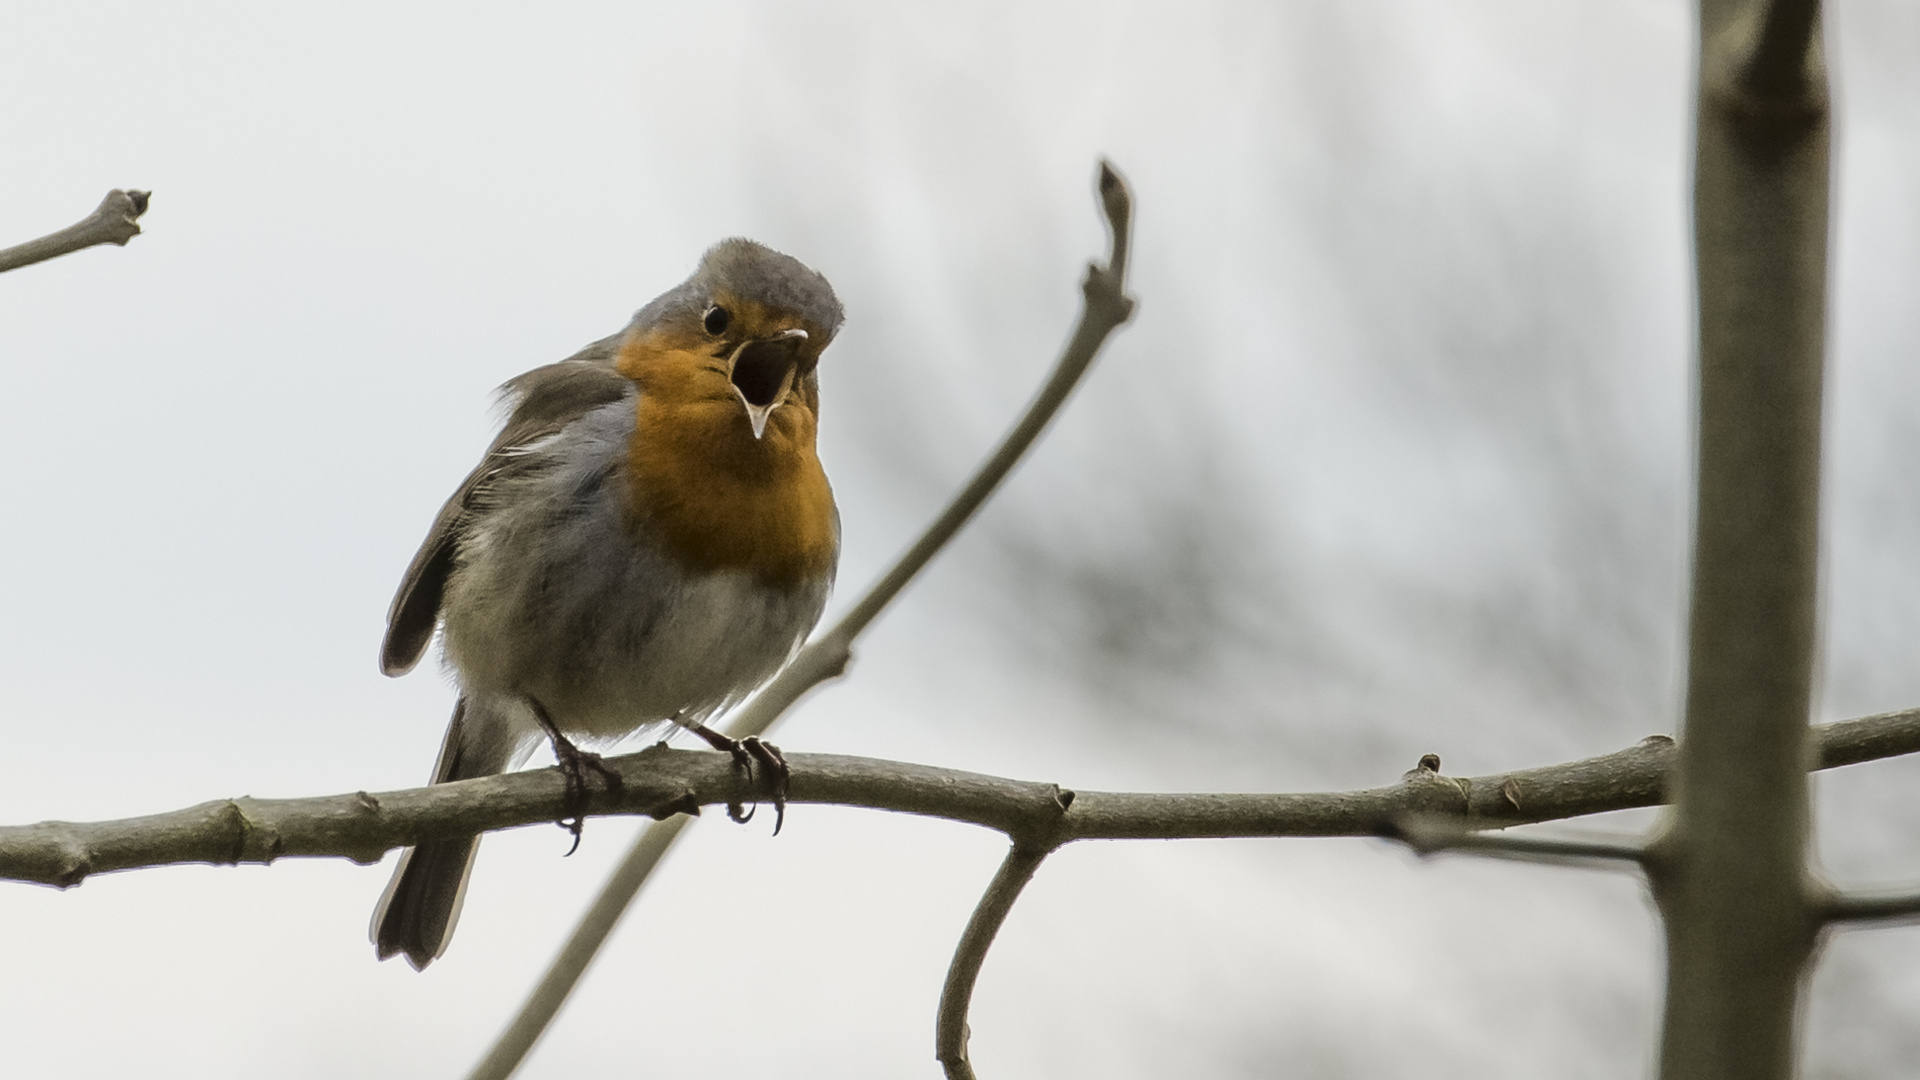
[{"x": 1394, "y": 459}]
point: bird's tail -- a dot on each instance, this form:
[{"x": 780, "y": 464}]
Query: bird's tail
[{"x": 417, "y": 913}]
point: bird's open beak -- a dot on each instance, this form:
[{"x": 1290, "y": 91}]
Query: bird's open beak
[{"x": 762, "y": 374}]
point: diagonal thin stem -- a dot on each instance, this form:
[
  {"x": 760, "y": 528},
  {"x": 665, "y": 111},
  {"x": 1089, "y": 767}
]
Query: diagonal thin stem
[
  {"x": 112, "y": 222},
  {"x": 1107, "y": 306},
  {"x": 511, "y": 1048},
  {"x": 950, "y": 1030}
]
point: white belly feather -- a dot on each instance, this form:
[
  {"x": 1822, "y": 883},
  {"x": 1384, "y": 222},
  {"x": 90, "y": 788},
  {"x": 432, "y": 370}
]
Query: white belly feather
[{"x": 551, "y": 598}]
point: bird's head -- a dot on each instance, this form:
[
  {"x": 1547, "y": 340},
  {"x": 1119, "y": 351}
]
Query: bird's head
[{"x": 741, "y": 337}]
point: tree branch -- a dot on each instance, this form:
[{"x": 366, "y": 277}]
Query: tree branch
[
  {"x": 661, "y": 782},
  {"x": 112, "y": 222},
  {"x": 1038, "y": 816},
  {"x": 1870, "y": 738},
  {"x": 1730, "y": 869},
  {"x": 1107, "y": 306},
  {"x": 1774, "y": 66},
  {"x": 950, "y": 1030},
  {"x": 1882, "y": 908},
  {"x": 1429, "y": 835}
]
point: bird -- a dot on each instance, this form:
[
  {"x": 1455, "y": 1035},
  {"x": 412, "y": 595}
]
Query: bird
[{"x": 649, "y": 538}]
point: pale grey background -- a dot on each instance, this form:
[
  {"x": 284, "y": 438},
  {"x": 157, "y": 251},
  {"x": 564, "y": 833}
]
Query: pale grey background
[{"x": 1393, "y": 460}]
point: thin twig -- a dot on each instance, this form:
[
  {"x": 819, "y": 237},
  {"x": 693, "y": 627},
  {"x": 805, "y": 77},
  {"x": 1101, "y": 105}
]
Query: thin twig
[
  {"x": 1432, "y": 835},
  {"x": 660, "y": 782},
  {"x": 112, "y": 222},
  {"x": 1107, "y": 307},
  {"x": 950, "y": 1038},
  {"x": 827, "y": 656},
  {"x": 1890, "y": 907}
]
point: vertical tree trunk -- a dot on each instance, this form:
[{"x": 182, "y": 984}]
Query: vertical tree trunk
[{"x": 1730, "y": 874}]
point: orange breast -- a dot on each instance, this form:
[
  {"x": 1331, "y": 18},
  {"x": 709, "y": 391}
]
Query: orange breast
[{"x": 711, "y": 495}]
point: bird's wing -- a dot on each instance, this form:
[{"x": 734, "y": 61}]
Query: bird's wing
[{"x": 544, "y": 401}]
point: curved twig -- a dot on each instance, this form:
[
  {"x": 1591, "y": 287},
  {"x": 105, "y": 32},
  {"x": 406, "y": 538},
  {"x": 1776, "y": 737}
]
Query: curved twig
[
  {"x": 112, "y": 222},
  {"x": 950, "y": 1039},
  {"x": 827, "y": 656}
]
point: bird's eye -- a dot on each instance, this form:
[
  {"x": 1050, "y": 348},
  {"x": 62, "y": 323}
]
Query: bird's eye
[{"x": 716, "y": 320}]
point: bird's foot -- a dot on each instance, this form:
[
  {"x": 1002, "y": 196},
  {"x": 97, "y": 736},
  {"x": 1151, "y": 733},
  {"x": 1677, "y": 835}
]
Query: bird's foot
[
  {"x": 745, "y": 752},
  {"x": 574, "y": 765}
]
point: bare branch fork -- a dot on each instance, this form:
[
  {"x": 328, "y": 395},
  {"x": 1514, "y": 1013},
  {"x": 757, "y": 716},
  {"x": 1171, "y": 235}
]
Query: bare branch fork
[
  {"x": 114, "y": 221},
  {"x": 1106, "y": 308},
  {"x": 1038, "y": 817},
  {"x": 1869, "y": 738},
  {"x": 950, "y": 1030}
]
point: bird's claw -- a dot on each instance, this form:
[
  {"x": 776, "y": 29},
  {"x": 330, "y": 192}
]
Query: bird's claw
[
  {"x": 745, "y": 752},
  {"x": 574, "y": 764},
  {"x": 779, "y": 776}
]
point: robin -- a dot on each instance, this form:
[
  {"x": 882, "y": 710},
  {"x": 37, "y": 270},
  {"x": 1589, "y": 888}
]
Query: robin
[{"x": 648, "y": 539}]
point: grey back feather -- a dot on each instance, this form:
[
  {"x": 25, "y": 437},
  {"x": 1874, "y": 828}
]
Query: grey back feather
[{"x": 544, "y": 401}]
